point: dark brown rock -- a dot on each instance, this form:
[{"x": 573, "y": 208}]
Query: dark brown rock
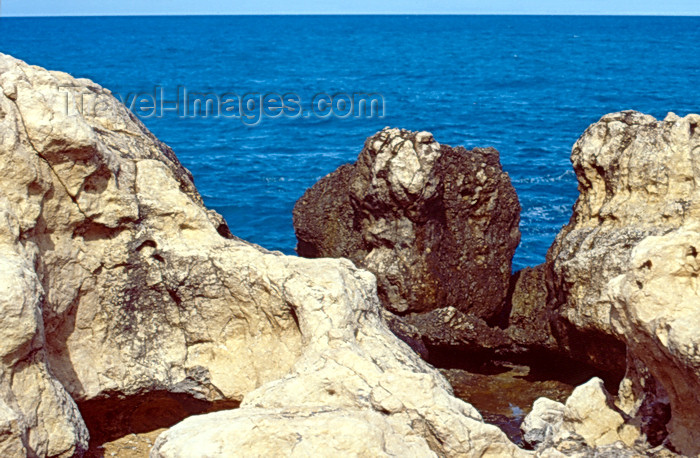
[{"x": 437, "y": 225}]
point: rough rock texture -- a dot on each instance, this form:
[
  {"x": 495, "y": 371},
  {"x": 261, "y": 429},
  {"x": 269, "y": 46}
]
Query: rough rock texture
[
  {"x": 528, "y": 322},
  {"x": 590, "y": 413},
  {"x": 542, "y": 422},
  {"x": 657, "y": 311},
  {"x": 37, "y": 415},
  {"x": 117, "y": 281},
  {"x": 356, "y": 391},
  {"x": 638, "y": 178},
  {"x": 448, "y": 328},
  {"x": 121, "y": 291},
  {"x": 588, "y": 424},
  {"x": 437, "y": 225},
  {"x": 136, "y": 290}
]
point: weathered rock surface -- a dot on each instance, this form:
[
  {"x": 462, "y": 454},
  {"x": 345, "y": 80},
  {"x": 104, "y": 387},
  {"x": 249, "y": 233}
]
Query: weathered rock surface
[
  {"x": 437, "y": 225},
  {"x": 657, "y": 311},
  {"x": 638, "y": 178},
  {"x": 590, "y": 413},
  {"x": 588, "y": 424},
  {"x": 528, "y": 322},
  {"x": 121, "y": 291},
  {"x": 134, "y": 287},
  {"x": 542, "y": 422},
  {"x": 37, "y": 415},
  {"x": 357, "y": 390}
]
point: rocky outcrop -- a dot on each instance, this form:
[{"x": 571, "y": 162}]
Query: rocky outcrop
[
  {"x": 37, "y": 415},
  {"x": 355, "y": 391},
  {"x": 127, "y": 304},
  {"x": 437, "y": 225},
  {"x": 543, "y": 421},
  {"x": 117, "y": 282},
  {"x": 656, "y": 309},
  {"x": 637, "y": 179},
  {"x": 588, "y": 421}
]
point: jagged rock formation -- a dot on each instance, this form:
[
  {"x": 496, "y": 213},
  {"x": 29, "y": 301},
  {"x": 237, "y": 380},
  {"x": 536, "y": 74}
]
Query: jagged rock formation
[
  {"x": 124, "y": 298},
  {"x": 121, "y": 291},
  {"x": 437, "y": 225},
  {"x": 543, "y": 421},
  {"x": 656, "y": 309},
  {"x": 139, "y": 290},
  {"x": 638, "y": 177},
  {"x": 587, "y": 421},
  {"x": 37, "y": 415},
  {"x": 355, "y": 391}
]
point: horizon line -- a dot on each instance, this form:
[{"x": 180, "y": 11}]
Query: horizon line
[{"x": 358, "y": 14}]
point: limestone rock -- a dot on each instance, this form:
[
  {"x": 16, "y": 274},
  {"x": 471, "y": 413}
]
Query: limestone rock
[
  {"x": 451, "y": 328},
  {"x": 262, "y": 432},
  {"x": 121, "y": 291},
  {"x": 11, "y": 440},
  {"x": 587, "y": 425},
  {"x": 357, "y": 390},
  {"x": 437, "y": 225},
  {"x": 542, "y": 422},
  {"x": 139, "y": 289},
  {"x": 637, "y": 181},
  {"x": 637, "y": 177},
  {"x": 590, "y": 413},
  {"x": 528, "y": 323},
  {"x": 657, "y": 311},
  {"x": 37, "y": 415}
]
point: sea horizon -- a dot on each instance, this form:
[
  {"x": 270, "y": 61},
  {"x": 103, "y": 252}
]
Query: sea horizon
[{"x": 528, "y": 85}]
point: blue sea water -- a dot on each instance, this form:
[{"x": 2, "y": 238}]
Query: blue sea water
[{"x": 527, "y": 85}]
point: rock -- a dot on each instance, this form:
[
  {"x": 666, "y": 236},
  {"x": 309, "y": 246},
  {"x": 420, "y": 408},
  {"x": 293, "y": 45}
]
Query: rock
[
  {"x": 590, "y": 413},
  {"x": 121, "y": 291},
  {"x": 636, "y": 178},
  {"x": 357, "y": 390},
  {"x": 587, "y": 425},
  {"x": 141, "y": 292},
  {"x": 656, "y": 308},
  {"x": 637, "y": 182},
  {"x": 450, "y": 328},
  {"x": 437, "y": 225},
  {"x": 37, "y": 415},
  {"x": 264, "y": 432},
  {"x": 11, "y": 440},
  {"x": 542, "y": 422},
  {"x": 528, "y": 322}
]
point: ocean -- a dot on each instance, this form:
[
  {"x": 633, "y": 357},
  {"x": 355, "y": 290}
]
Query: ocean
[{"x": 526, "y": 85}]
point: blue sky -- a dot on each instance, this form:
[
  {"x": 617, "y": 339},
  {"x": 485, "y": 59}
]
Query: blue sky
[{"x": 128, "y": 7}]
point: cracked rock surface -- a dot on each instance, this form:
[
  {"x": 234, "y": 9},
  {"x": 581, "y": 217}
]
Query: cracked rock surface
[
  {"x": 619, "y": 287},
  {"x": 119, "y": 288},
  {"x": 357, "y": 390},
  {"x": 437, "y": 225},
  {"x": 118, "y": 282}
]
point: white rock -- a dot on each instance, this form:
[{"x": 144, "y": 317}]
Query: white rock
[
  {"x": 542, "y": 422},
  {"x": 657, "y": 310}
]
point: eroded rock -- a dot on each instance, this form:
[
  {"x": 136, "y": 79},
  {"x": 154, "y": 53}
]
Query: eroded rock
[
  {"x": 657, "y": 311},
  {"x": 542, "y": 422},
  {"x": 637, "y": 181},
  {"x": 121, "y": 291},
  {"x": 637, "y": 177},
  {"x": 357, "y": 390},
  {"x": 138, "y": 287},
  {"x": 437, "y": 225},
  {"x": 588, "y": 424}
]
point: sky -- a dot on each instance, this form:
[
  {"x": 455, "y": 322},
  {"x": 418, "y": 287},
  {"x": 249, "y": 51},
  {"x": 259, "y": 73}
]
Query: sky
[{"x": 163, "y": 7}]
